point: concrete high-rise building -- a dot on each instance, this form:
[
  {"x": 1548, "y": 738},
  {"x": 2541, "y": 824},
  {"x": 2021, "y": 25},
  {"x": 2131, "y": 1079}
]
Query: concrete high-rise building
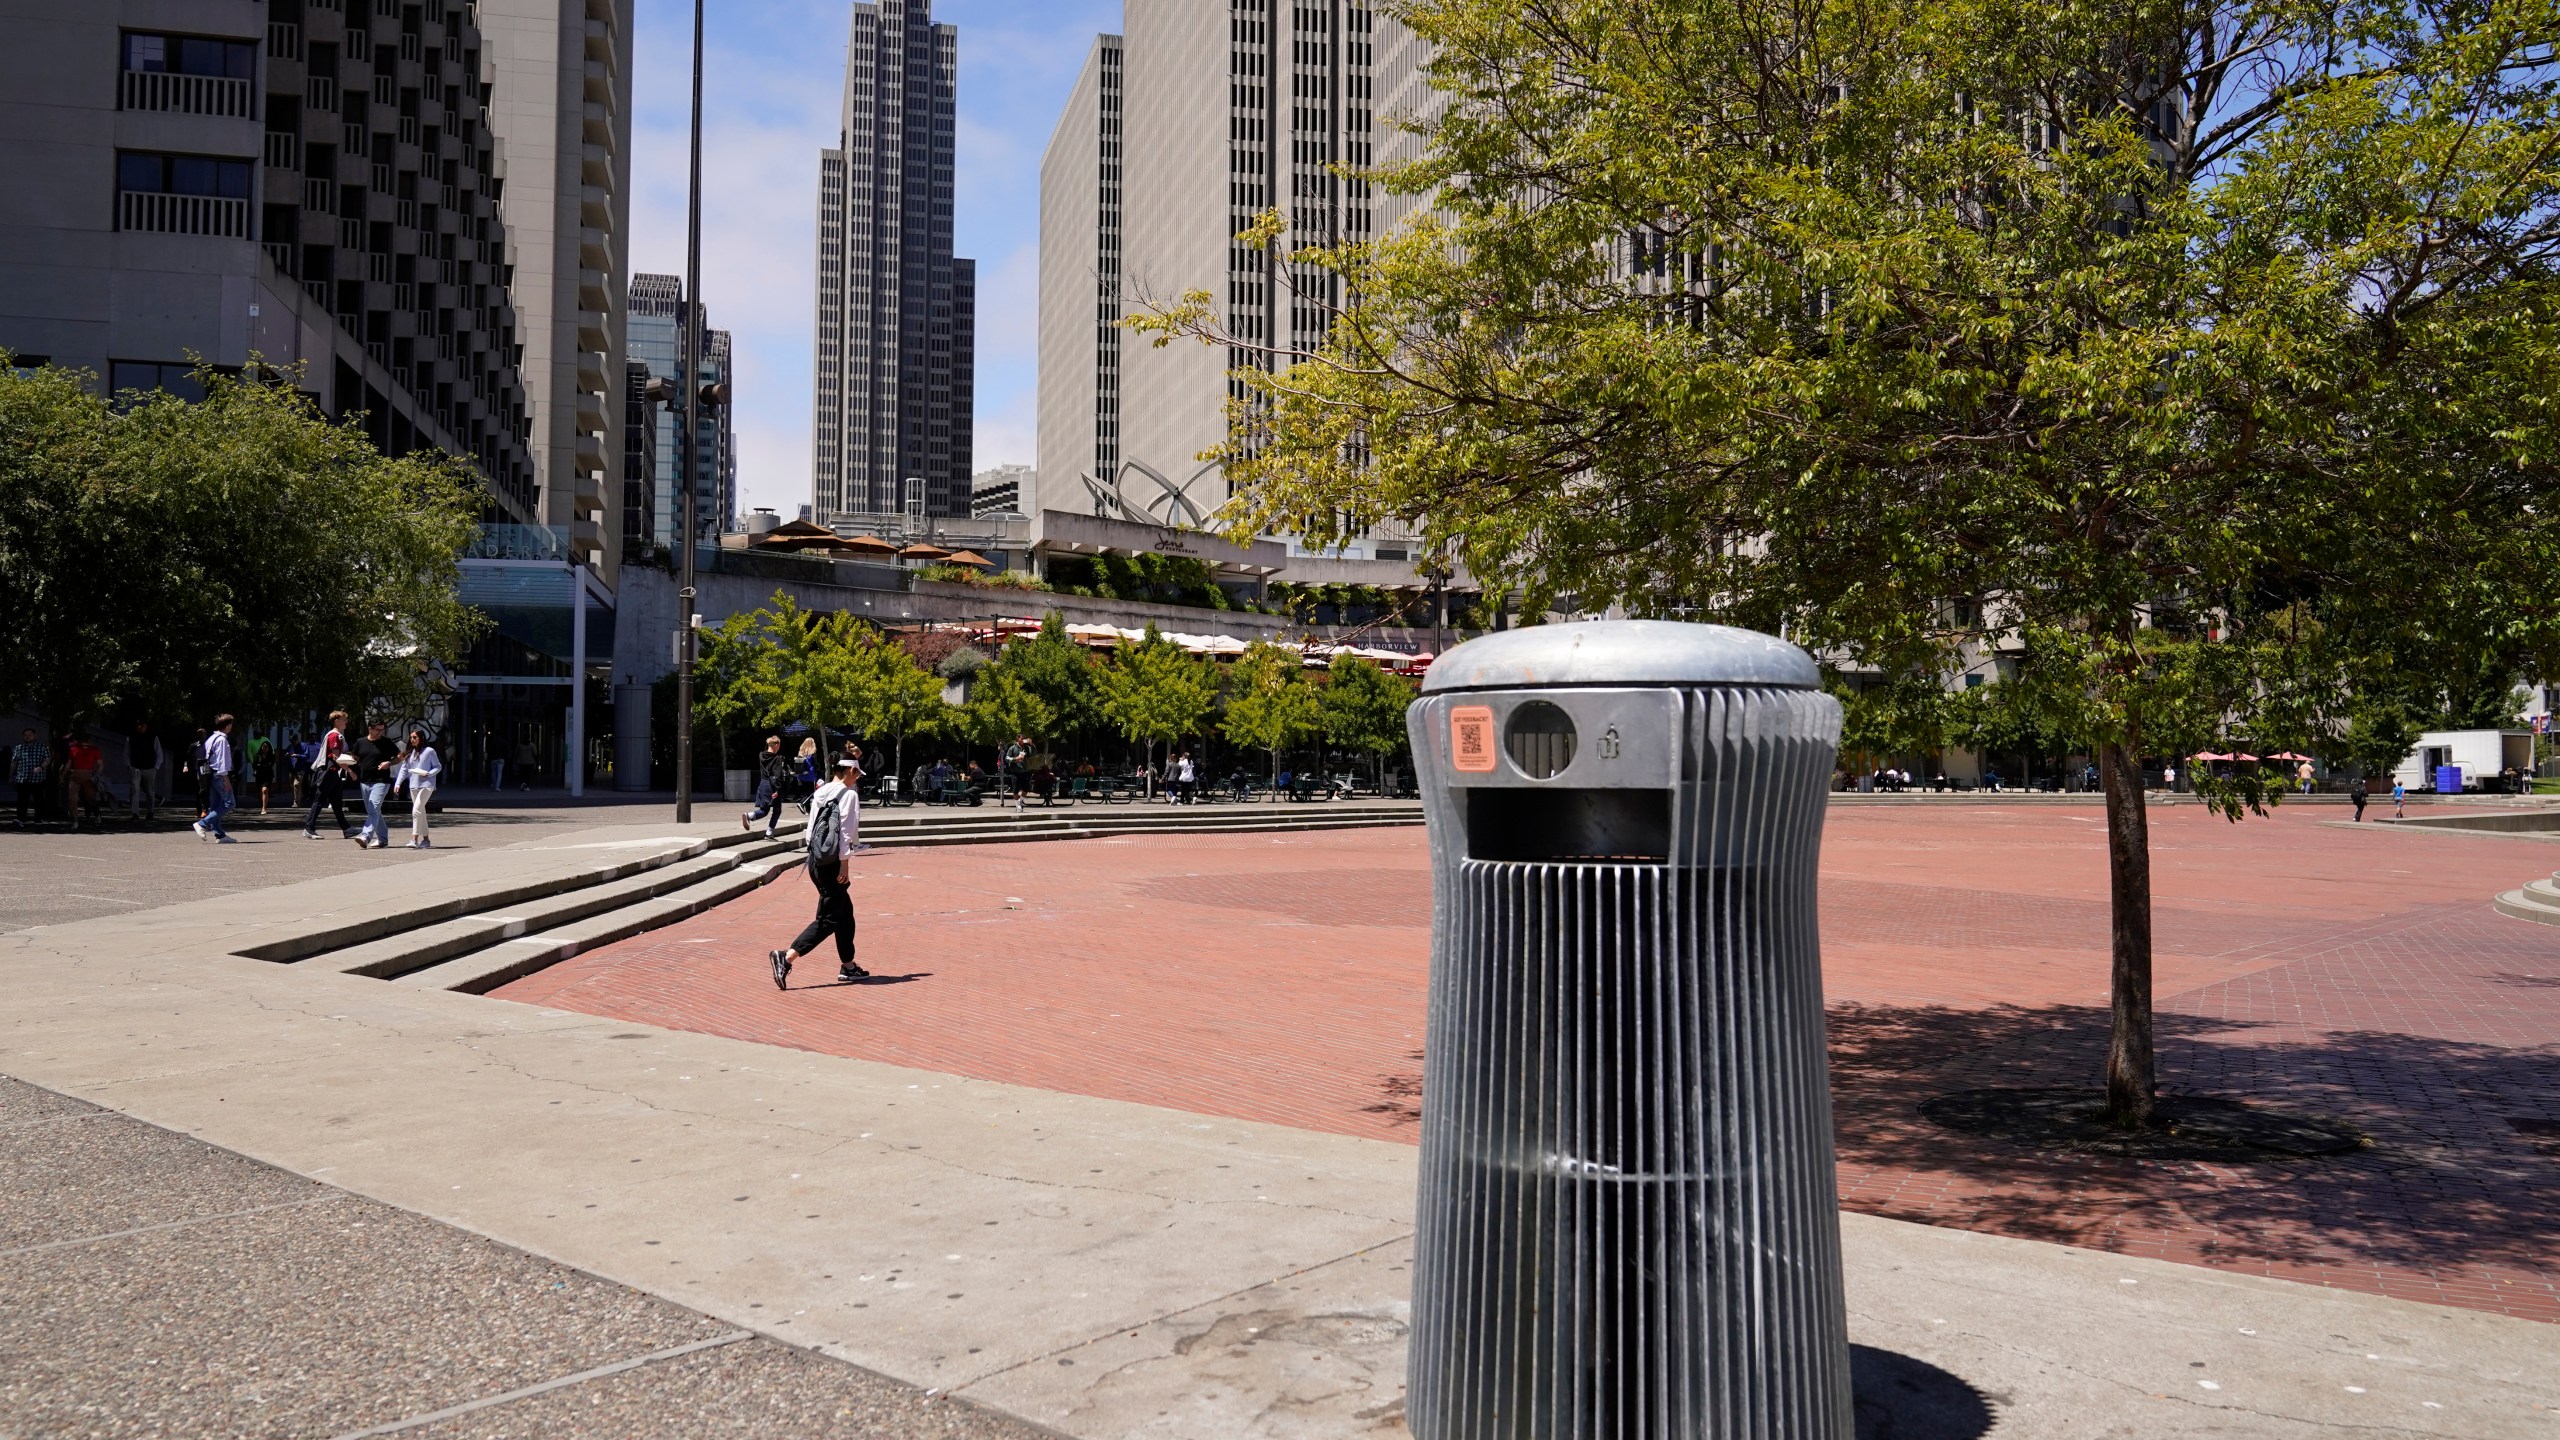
[
  {"x": 1003, "y": 490},
  {"x": 1183, "y": 129},
  {"x": 310, "y": 185},
  {"x": 639, "y": 458},
  {"x": 897, "y": 313},
  {"x": 657, "y": 342},
  {"x": 562, "y": 107},
  {"x": 1080, "y": 299}
]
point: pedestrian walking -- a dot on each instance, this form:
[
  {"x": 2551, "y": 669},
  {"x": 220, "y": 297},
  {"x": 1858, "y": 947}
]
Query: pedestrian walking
[
  {"x": 375, "y": 763},
  {"x": 522, "y": 763},
  {"x": 835, "y": 827},
  {"x": 262, "y": 769},
  {"x": 1016, "y": 765},
  {"x": 2399, "y": 800},
  {"x": 218, "y": 792},
  {"x": 84, "y": 763},
  {"x": 1183, "y": 779},
  {"x": 420, "y": 772},
  {"x": 27, "y": 765},
  {"x": 773, "y": 775},
  {"x": 142, "y": 758},
  {"x": 2356, "y": 795},
  {"x": 328, "y": 777}
]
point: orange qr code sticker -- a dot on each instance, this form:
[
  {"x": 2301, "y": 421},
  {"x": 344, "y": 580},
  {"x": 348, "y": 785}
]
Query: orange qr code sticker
[{"x": 1471, "y": 739}]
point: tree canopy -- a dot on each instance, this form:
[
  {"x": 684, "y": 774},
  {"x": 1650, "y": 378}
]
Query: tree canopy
[
  {"x": 237, "y": 553},
  {"x": 2202, "y": 352},
  {"x": 1269, "y": 703},
  {"x": 1154, "y": 692}
]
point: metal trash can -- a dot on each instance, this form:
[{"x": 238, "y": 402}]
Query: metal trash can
[{"x": 1628, "y": 1226}]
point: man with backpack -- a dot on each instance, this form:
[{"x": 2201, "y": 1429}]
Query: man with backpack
[{"x": 835, "y": 820}]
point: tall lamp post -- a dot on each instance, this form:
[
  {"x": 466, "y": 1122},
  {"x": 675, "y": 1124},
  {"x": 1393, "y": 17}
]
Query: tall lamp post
[{"x": 685, "y": 635}]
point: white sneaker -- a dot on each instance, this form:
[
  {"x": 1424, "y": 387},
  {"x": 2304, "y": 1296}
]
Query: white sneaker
[{"x": 201, "y": 832}]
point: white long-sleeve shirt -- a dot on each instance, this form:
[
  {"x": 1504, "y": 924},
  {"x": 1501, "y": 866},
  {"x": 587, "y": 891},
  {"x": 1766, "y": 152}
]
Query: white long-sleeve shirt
[
  {"x": 420, "y": 769},
  {"x": 217, "y": 754}
]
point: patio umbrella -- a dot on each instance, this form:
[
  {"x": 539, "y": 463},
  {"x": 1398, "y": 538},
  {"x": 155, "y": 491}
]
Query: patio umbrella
[
  {"x": 2251, "y": 758},
  {"x": 922, "y": 551},
  {"x": 867, "y": 545},
  {"x": 2287, "y": 755},
  {"x": 973, "y": 559},
  {"x": 2210, "y": 755}
]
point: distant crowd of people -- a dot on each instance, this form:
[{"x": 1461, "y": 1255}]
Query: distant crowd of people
[{"x": 219, "y": 769}]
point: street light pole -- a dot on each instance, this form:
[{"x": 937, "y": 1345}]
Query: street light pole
[{"x": 691, "y": 458}]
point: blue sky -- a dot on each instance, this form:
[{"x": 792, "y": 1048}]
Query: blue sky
[{"x": 773, "y": 80}]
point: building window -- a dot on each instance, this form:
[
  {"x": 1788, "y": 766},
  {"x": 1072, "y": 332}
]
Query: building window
[
  {"x": 189, "y": 74},
  {"x": 178, "y": 379},
  {"x": 182, "y": 194}
]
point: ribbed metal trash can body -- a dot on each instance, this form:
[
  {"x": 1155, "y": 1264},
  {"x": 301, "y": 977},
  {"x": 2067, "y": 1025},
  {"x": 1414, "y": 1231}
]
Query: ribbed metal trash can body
[{"x": 1628, "y": 1226}]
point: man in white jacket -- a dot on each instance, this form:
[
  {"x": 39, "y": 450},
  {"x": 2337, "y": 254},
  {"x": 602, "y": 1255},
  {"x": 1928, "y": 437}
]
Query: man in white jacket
[{"x": 835, "y": 825}]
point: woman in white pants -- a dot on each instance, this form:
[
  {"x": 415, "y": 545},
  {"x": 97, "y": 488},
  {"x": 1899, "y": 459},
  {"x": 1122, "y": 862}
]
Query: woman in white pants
[{"x": 420, "y": 771}]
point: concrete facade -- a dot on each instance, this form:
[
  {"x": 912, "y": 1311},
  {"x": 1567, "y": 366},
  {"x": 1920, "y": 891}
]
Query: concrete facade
[
  {"x": 897, "y": 313},
  {"x": 1181, "y": 131},
  {"x": 305, "y": 185},
  {"x": 1080, "y": 300},
  {"x": 561, "y": 104},
  {"x": 1004, "y": 490}
]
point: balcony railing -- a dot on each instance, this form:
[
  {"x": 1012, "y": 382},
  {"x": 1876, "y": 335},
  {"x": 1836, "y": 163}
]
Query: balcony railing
[
  {"x": 282, "y": 253},
  {"x": 318, "y": 196},
  {"x": 182, "y": 214},
  {"x": 284, "y": 40},
  {"x": 320, "y": 92},
  {"x": 189, "y": 94},
  {"x": 284, "y": 150}
]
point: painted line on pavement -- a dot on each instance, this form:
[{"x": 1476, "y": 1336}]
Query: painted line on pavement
[{"x": 600, "y": 1372}]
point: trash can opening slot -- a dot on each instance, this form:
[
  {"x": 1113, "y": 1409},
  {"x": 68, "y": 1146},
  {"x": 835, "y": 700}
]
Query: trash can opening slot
[{"x": 1541, "y": 824}]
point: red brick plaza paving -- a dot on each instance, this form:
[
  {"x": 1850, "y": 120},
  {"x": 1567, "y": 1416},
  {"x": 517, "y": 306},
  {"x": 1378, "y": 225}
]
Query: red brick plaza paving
[{"x": 2357, "y": 974}]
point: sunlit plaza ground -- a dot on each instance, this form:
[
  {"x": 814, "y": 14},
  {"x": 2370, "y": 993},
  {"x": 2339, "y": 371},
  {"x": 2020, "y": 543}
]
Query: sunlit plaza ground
[{"x": 2354, "y": 973}]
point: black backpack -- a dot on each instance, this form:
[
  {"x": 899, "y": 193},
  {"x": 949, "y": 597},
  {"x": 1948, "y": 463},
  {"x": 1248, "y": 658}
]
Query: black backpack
[{"x": 826, "y": 834}]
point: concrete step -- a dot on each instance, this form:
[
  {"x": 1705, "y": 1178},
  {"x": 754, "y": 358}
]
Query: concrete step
[
  {"x": 2538, "y": 902},
  {"x": 513, "y": 959},
  {"x": 395, "y": 955}
]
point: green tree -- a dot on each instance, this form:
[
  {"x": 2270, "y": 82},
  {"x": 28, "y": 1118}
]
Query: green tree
[
  {"x": 1362, "y": 708},
  {"x": 818, "y": 667},
  {"x": 1153, "y": 692},
  {"x": 237, "y": 553},
  {"x": 2140, "y": 334},
  {"x": 733, "y": 683},
  {"x": 1269, "y": 702},
  {"x": 899, "y": 697},
  {"x": 1000, "y": 706},
  {"x": 1056, "y": 669}
]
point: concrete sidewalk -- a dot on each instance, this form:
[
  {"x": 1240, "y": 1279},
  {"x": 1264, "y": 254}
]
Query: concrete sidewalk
[{"x": 1104, "y": 1268}]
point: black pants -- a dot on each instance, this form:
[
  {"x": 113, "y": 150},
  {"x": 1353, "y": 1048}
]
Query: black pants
[
  {"x": 30, "y": 801},
  {"x": 835, "y": 917},
  {"x": 333, "y": 796}
]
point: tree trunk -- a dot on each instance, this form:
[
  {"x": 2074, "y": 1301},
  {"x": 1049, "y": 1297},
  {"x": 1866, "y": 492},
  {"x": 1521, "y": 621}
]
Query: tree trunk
[{"x": 2132, "y": 1070}]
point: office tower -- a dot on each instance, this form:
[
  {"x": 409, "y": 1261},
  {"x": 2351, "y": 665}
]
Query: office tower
[
  {"x": 310, "y": 184},
  {"x": 897, "y": 314},
  {"x": 1080, "y": 299},
  {"x": 1220, "y": 112},
  {"x": 657, "y": 342},
  {"x": 1003, "y": 490},
  {"x": 562, "y": 108},
  {"x": 1405, "y": 100},
  {"x": 639, "y": 459}
]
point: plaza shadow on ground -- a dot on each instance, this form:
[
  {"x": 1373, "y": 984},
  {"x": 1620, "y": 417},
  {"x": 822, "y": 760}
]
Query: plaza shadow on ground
[{"x": 2453, "y": 1189}]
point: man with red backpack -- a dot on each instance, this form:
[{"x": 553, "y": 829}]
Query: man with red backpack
[{"x": 835, "y": 819}]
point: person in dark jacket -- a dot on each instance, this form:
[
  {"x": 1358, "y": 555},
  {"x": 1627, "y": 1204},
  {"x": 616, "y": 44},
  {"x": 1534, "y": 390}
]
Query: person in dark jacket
[
  {"x": 773, "y": 777},
  {"x": 142, "y": 763}
]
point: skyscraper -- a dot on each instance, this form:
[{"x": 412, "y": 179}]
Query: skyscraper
[
  {"x": 1080, "y": 299},
  {"x": 897, "y": 314},
  {"x": 657, "y": 342},
  {"x": 1182, "y": 130},
  {"x": 562, "y": 110}
]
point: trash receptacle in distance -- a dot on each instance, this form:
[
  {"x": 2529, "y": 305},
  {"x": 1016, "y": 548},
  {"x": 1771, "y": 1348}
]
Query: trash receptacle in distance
[{"x": 1628, "y": 1224}]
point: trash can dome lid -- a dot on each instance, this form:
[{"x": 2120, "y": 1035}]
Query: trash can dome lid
[{"x": 1622, "y": 652}]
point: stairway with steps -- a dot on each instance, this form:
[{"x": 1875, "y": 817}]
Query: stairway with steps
[
  {"x": 478, "y": 943},
  {"x": 2538, "y": 901}
]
